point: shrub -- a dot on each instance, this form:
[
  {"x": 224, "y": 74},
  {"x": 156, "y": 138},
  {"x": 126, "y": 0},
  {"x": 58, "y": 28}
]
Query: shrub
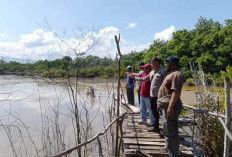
[
  {"x": 189, "y": 82},
  {"x": 210, "y": 133}
]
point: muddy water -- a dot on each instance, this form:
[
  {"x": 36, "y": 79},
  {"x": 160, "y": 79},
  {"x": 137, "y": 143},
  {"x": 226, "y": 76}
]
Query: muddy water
[
  {"x": 27, "y": 99},
  {"x": 188, "y": 95}
]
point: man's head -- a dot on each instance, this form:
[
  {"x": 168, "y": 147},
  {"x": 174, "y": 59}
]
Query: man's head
[
  {"x": 147, "y": 68},
  {"x": 172, "y": 63},
  {"x": 155, "y": 62},
  {"x": 129, "y": 68},
  {"x": 140, "y": 64}
]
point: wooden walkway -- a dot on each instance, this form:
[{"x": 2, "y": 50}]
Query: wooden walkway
[{"x": 138, "y": 142}]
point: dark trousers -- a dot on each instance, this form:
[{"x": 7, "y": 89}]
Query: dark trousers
[
  {"x": 154, "y": 111},
  {"x": 130, "y": 95},
  {"x": 139, "y": 96},
  {"x": 170, "y": 131}
]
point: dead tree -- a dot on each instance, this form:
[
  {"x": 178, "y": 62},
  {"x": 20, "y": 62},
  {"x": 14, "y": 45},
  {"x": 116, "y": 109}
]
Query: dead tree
[{"x": 118, "y": 59}]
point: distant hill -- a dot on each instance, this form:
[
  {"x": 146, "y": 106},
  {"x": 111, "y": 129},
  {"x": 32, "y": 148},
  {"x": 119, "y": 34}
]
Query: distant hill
[{"x": 19, "y": 60}]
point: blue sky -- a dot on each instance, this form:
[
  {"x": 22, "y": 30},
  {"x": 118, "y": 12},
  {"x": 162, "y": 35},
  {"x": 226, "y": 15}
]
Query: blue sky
[{"x": 22, "y": 33}]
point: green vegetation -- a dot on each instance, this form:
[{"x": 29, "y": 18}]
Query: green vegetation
[
  {"x": 90, "y": 66},
  {"x": 208, "y": 45}
]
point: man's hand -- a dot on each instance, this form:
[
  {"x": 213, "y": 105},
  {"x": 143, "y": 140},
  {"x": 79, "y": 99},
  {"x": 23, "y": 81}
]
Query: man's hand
[
  {"x": 132, "y": 76},
  {"x": 174, "y": 98},
  {"x": 158, "y": 108},
  {"x": 170, "y": 112}
]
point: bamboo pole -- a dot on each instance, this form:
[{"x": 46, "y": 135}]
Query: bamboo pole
[
  {"x": 226, "y": 151},
  {"x": 118, "y": 59}
]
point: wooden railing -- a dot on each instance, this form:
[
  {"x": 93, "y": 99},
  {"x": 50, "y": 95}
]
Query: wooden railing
[{"x": 70, "y": 150}]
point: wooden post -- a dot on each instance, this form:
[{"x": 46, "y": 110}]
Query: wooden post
[
  {"x": 118, "y": 59},
  {"x": 226, "y": 152},
  {"x": 194, "y": 121}
]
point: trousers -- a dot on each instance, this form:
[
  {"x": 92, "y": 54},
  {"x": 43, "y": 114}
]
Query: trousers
[
  {"x": 155, "y": 112},
  {"x": 170, "y": 131},
  {"x": 145, "y": 105},
  {"x": 130, "y": 95}
]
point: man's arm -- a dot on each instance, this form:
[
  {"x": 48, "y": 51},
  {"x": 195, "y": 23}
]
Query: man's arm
[
  {"x": 144, "y": 79},
  {"x": 174, "y": 98}
]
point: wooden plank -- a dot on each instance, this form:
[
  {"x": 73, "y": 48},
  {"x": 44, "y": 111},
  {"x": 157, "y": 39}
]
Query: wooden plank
[
  {"x": 156, "y": 153},
  {"x": 151, "y": 152},
  {"x": 136, "y": 124},
  {"x": 139, "y": 142},
  {"x": 145, "y": 139},
  {"x": 147, "y": 134},
  {"x": 131, "y": 130},
  {"x": 143, "y": 153},
  {"x": 182, "y": 148},
  {"x": 145, "y": 147},
  {"x": 140, "y": 135},
  {"x": 134, "y": 109}
]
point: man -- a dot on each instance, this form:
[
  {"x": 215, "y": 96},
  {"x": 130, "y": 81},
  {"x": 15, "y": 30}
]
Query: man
[
  {"x": 172, "y": 85},
  {"x": 145, "y": 97},
  {"x": 138, "y": 82},
  {"x": 156, "y": 76},
  {"x": 130, "y": 83}
]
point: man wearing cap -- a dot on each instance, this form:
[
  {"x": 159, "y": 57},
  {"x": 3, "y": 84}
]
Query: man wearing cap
[
  {"x": 145, "y": 97},
  {"x": 138, "y": 82},
  {"x": 130, "y": 83},
  {"x": 156, "y": 76},
  {"x": 172, "y": 85}
]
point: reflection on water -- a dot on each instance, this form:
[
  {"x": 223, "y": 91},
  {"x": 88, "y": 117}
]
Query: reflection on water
[{"x": 28, "y": 99}]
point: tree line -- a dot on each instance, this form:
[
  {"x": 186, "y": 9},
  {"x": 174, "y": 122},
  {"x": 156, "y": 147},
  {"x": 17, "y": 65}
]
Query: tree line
[
  {"x": 89, "y": 66},
  {"x": 208, "y": 45}
]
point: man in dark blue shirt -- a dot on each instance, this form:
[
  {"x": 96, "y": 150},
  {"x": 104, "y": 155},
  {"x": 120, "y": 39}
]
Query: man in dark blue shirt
[{"x": 130, "y": 83}]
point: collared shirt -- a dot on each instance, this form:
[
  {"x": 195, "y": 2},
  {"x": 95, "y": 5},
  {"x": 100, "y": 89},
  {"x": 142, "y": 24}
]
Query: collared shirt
[
  {"x": 156, "y": 77},
  {"x": 173, "y": 81}
]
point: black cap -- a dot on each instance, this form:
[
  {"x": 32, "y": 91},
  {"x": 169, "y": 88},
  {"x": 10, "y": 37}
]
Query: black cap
[
  {"x": 141, "y": 63},
  {"x": 173, "y": 58},
  {"x": 156, "y": 59}
]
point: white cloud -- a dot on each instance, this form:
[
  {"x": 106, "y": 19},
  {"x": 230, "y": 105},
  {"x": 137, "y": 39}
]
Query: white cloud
[
  {"x": 45, "y": 45},
  {"x": 131, "y": 25},
  {"x": 37, "y": 39},
  {"x": 165, "y": 34},
  {"x": 3, "y": 36},
  {"x": 137, "y": 48}
]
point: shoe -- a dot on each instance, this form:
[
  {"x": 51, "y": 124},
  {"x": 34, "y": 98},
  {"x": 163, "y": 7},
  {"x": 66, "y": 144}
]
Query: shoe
[
  {"x": 142, "y": 123},
  {"x": 150, "y": 125},
  {"x": 164, "y": 148},
  {"x": 161, "y": 135},
  {"x": 153, "y": 129}
]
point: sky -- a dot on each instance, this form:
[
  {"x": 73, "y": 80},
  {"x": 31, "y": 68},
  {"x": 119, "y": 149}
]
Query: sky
[{"x": 50, "y": 29}]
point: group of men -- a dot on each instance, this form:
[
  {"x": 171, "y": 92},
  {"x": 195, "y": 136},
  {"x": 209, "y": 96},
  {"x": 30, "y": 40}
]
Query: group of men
[{"x": 154, "y": 82}]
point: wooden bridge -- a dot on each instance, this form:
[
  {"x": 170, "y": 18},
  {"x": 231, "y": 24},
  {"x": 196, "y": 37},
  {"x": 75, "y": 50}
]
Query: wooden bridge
[{"x": 137, "y": 141}]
